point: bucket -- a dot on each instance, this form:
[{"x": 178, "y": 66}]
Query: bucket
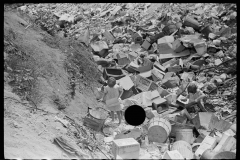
[
  {"x": 113, "y": 72},
  {"x": 185, "y": 135},
  {"x": 158, "y": 130},
  {"x": 190, "y": 22},
  {"x": 210, "y": 154},
  {"x": 184, "y": 148}
]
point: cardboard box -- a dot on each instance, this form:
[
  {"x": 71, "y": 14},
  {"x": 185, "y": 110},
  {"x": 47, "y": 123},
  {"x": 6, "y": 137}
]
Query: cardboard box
[
  {"x": 208, "y": 143},
  {"x": 157, "y": 75},
  {"x": 143, "y": 83},
  {"x": 226, "y": 143},
  {"x": 159, "y": 66},
  {"x": 158, "y": 101},
  {"x": 126, "y": 148},
  {"x": 202, "y": 119},
  {"x": 122, "y": 59}
]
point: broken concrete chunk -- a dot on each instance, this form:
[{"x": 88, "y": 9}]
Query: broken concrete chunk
[{"x": 126, "y": 148}]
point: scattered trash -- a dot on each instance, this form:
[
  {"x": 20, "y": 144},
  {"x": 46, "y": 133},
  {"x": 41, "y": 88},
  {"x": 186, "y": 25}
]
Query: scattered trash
[{"x": 154, "y": 54}]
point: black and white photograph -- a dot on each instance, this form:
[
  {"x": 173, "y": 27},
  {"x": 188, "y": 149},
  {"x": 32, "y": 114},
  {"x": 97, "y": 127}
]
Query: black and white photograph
[{"x": 120, "y": 80}]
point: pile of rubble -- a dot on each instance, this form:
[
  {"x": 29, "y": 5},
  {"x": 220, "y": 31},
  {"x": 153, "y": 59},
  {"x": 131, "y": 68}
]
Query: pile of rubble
[
  {"x": 155, "y": 52},
  {"x": 155, "y": 68}
]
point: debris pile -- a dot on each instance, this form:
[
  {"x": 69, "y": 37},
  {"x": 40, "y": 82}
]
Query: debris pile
[{"x": 177, "y": 61}]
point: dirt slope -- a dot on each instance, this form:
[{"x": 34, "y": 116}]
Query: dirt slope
[{"x": 28, "y": 133}]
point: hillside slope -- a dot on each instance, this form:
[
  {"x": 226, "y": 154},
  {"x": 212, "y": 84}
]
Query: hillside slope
[{"x": 37, "y": 73}]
